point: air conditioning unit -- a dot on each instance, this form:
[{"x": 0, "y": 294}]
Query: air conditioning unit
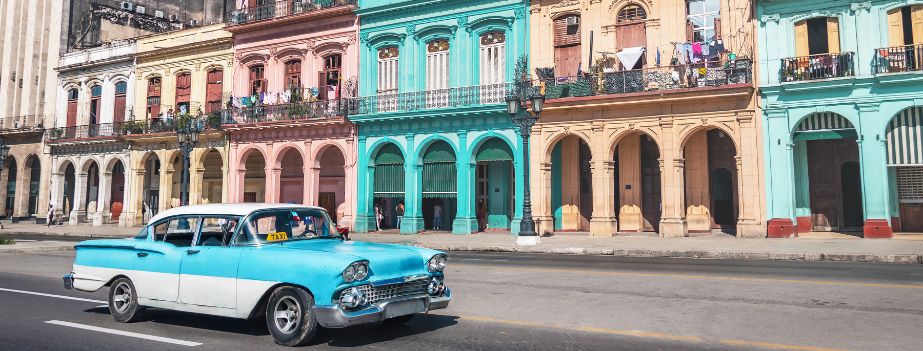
[
  {"x": 140, "y": 9},
  {"x": 173, "y": 18},
  {"x": 573, "y": 21},
  {"x": 127, "y": 6},
  {"x": 194, "y": 23},
  {"x": 158, "y": 14}
]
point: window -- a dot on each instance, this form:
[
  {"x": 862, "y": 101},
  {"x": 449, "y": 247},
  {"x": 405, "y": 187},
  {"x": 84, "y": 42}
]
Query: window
[
  {"x": 183, "y": 91},
  {"x": 567, "y": 45},
  {"x": 631, "y": 13},
  {"x": 437, "y": 65},
  {"x": 905, "y": 26},
  {"x": 702, "y": 15},
  {"x": 118, "y": 114},
  {"x": 213, "y": 90},
  {"x": 142, "y": 234},
  {"x": 217, "y": 231},
  {"x": 329, "y": 79},
  {"x": 493, "y": 58},
  {"x": 96, "y": 93},
  {"x": 177, "y": 231},
  {"x": 257, "y": 80},
  {"x": 293, "y": 74},
  {"x": 153, "y": 97},
  {"x": 289, "y": 224},
  {"x": 72, "y": 98},
  {"x": 817, "y": 36},
  {"x": 388, "y": 59}
]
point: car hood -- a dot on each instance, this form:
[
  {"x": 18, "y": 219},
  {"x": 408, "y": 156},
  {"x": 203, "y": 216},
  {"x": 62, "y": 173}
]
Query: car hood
[{"x": 386, "y": 261}]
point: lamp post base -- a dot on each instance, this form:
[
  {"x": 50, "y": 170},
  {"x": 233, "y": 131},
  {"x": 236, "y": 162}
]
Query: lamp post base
[{"x": 528, "y": 240}]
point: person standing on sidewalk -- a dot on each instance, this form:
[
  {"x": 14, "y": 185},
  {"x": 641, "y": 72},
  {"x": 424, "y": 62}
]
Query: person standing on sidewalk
[
  {"x": 399, "y": 213},
  {"x": 49, "y": 218},
  {"x": 437, "y": 217}
]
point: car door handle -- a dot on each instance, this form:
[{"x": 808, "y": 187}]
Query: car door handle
[
  {"x": 142, "y": 254},
  {"x": 192, "y": 252}
]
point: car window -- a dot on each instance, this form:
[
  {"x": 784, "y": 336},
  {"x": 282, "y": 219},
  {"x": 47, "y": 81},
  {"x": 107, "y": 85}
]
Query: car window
[
  {"x": 142, "y": 234},
  {"x": 217, "y": 231},
  {"x": 289, "y": 224},
  {"x": 178, "y": 231}
]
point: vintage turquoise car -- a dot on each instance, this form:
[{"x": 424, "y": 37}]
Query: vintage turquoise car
[{"x": 288, "y": 263}]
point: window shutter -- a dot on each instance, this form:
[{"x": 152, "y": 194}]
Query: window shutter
[
  {"x": 801, "y": 38},
  {"x": 322, "y": 85},
  {"x": 119, "y": 113},
  {"x": 562, "y": 36},
  {"x": 689, "y": 31},
  {"x": 916, "y": 20},
  {"x": 833, "y": 35},
  {"x": 895, "y": 28},
  {"x": 718, "y": 27},
  {"x": 72, "y": 113}
]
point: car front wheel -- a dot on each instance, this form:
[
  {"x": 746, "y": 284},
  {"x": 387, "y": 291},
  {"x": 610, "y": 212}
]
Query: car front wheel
[
  {"x": 290, "y": 316},
  {"x": 123, "y": 301}
]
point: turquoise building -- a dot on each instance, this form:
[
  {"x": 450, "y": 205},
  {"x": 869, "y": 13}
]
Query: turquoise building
[
  {"x": 842, "y": 100},
  {"x": 433, "y": 132}
]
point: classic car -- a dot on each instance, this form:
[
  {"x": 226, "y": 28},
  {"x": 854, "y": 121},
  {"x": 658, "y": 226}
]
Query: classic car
[{"x": 289, "y": 264}]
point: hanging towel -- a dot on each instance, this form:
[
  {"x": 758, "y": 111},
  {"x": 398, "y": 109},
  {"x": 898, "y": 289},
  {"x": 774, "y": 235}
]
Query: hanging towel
[
  {"x": 696, "y": 49},
  {"x": 705, "y": 51},
  {"x": 630, "y": 56},
  {"x": 680, "y": 53},
  {"x": 687, "y": 47}
]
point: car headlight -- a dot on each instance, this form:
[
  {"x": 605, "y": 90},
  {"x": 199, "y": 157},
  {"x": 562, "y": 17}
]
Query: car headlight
[
  {"x": 436, "y": 263},
  {"x": 356, "y": 271}
]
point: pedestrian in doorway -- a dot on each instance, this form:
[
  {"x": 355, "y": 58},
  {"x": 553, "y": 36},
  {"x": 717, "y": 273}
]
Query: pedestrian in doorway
[
  {"x": 482, "y": 216},
  {"x": 49, "y": 218},
  {"x": 378, "y": 218},
  {"x": 399, "y": 213},
  {"x": 437, "y": 217}
]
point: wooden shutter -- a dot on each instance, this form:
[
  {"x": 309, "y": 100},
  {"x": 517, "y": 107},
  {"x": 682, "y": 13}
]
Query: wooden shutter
[
  {"x": 801, "y": 38},
  {"x": 322, "y": 85},
  {"x": 566, "y": 61},
  {"x": 916, "y": 20},
  {"x": 119, "y": 113},
  {"x": 72, "y": 113},
  {"x": 718, "y": 27},
  {"x": 564, "y": 35},
  {"x": 630, "y": 35},
  {"x": 833, "y": 35},
  {"x": 895, "y": 28},
  {"x": 690, "y": 30},
  {"x": 213, "y": 90},
  {"x": 183, "y": 87}
]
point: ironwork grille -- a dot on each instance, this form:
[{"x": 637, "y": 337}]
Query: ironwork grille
[{"x": 910, "y": 184}]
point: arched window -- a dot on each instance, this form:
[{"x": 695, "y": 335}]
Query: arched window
[
  {"x": 293, "y": 74},
  {"x": 118, "y": 113},
  {"x": 153, "y": 97},
  {"x": 73, "y": 95},
  {"x": 493, "y": 58},
  {"x": 630, "y": 32},
  {"x": 257, "y": 79},
  {"x": 329, "y": 78},
  {"x": 213, "y": 90},
  {"x": 437, "y": 64},
  {"x": 96, "y": 95},
  {"x": 183, "y": 91},
  {"x": 631, "y": 13},
  {"x": 388, "y": 69}
]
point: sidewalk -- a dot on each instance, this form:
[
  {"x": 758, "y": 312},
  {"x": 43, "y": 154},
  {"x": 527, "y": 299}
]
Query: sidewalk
[{"x": 819, "y": 247}]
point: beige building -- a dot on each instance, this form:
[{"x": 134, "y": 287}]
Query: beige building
[
  {"x": 650, "y": 123},
  {"x": 28, "y": 54},
  {"x": 179, "y": 75}
]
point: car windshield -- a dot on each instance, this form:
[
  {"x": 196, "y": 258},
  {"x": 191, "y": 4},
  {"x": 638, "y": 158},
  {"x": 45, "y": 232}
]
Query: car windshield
[{"x": 287, "y": 224}]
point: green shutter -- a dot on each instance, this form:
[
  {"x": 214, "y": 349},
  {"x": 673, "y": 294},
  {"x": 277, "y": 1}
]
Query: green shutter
[
  {"x": 439, "y": 180},
  {"x": 439, "y": 151},
  {"x": 389, "y": 172},
  {"x": 494, "y": 150},
  {"x": 389, "y": 154}
]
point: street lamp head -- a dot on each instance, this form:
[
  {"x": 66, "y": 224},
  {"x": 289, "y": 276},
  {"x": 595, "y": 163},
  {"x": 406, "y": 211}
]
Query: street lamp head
[
  {"x": 512, "y": 105},
  {"x": 538, "y": 103}
]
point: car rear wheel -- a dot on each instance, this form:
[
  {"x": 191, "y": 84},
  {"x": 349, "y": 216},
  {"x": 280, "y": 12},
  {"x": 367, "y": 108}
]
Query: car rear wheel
[
  {"x": 397, "y": 321},
  {"x": 290, "y": 316},
  {"x": 123, "y": 301}
]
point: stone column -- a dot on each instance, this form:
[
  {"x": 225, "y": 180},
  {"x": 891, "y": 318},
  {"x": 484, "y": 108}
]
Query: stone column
[
  {"x": 165, "y": 183},
  {"x": 693, "y": 168},
  {"x": 465, "y": 178},
  {"x": 873, "y": 165},
  {"x": 604, "y": 221},
  {"x": 312, "y": 192},
  {"x": 780, "y": 178},
  {"x": 749, "y": 188},
  {"x": 413, "y": 198},
  {"x": 672, "y": 183},
  {"x": 273, "y": 180},
  {"x": 196, "y": 176},
  {"x": 365, "y": 175},
  {"x": 102, "y": 199},
  {"x": 135, "y": 214},
  {"x": 80, "y": 212}
]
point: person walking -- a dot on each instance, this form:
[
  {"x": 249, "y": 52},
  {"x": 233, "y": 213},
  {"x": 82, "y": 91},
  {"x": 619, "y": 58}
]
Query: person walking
[
  {"x": 437, "y": 217},
  {"x": 49, "y": 218},
  {"x": 482, "y": 216},
  {"x": 399, "y": 213}
]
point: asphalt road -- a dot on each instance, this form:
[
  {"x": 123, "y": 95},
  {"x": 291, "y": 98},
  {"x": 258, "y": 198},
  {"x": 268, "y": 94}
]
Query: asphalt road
[{"x": 531, "y": 302}]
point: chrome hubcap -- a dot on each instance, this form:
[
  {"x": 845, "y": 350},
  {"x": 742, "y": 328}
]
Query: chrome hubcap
[
  {"x": 121, "y": 298},
  {"x": 287, "y": 314}
]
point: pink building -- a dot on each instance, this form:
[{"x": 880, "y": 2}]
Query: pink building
[{"x": 295, "y": 63}]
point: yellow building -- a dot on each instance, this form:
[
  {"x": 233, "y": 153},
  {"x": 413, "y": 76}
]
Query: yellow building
[
  {"x": 651, "y": 122},
  {"x": 183, "y": 74}
]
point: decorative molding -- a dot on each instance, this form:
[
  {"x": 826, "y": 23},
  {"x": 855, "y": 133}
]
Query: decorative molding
[
  {"x": 856, "y": 6},
  {"x": 770, "y": 18}
]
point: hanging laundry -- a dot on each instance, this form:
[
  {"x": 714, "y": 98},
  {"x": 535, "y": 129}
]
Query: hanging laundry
[
  {"x": 696, "y": 49},
  {"x": 679, "y": 53},
  {"x": 630, "y": 56},
  {"x": 657, "y": 59},
  {"x": 331, "y": 92},
  {"x": 705, "y": 51},
  {"x": 719, "y": 46},
  {"x": 687, "y": 47}
]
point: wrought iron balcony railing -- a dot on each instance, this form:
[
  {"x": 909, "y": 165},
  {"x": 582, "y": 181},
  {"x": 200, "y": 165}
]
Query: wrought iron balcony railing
[
  {"x": 281, "y": 8},
  {"x": 488, "y": 94},
  {"x": 139, "y": 127},
  {"x": 102, "y": 130},
  {"x": 649, "y": 79},
  {"x": 908, "y": 58},
  {"x": 21, "y": 122},
  {"x": 814, "y": 67},
  {"x": 296, "y": 111}
]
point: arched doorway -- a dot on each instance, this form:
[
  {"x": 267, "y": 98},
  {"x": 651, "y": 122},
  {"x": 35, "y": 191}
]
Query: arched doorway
[
  {"x": 440, "y": 201},
  {"x": 291, "y": 182},
  {"x": 34, "y": 174},
  {"x": 254, "y": 184},
  {"x": 710, "y": 182},
  {"x": 571, "y": 185},
  {"x": 91, "y": 194},
  {"x": 117, "y": 190},
  {"x": 212, "y": 178},
  {"x": 824, "y": 145},
  {"x": 494, "y": 193},
  {"x": 637, "y": 180},
  {"x": 150, "y": 185},
  {"x": 905, "y": 167},
  {"x": 388, "y": 187},
  {"x": 331, "y": 187},
  {"x": 70, "y": 181},
  {"x": 11, "y": 171}
]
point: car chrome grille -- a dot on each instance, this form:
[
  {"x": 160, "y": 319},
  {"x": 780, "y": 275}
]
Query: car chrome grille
[{"x": 376, "y": 294}]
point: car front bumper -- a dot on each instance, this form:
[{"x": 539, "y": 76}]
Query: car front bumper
[{"x": 335, "y": 317}]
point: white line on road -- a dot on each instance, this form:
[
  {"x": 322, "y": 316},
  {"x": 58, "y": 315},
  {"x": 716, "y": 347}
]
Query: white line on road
[
  {"x": 125, "y": 333},
  {"x": 55, "y": 296}
]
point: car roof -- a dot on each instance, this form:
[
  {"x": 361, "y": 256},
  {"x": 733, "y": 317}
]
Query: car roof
[{"x": 224, "y": 209}]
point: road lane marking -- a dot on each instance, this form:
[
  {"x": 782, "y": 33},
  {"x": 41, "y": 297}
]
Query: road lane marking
[
  {"x": 646, "y": 335},
  {"x": 125, "y": 333},
  {"x": 707, "y": 277},
  {"x": 55, "y": 296}
]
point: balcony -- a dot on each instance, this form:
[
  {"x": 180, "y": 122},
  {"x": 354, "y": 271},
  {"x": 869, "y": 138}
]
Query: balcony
[
  {"x": 296, "y": 111},
  {"x": 103, "y": 52},
  {"x": 479, "y": 95},
  {"x": 127, "y": 128},
  {"x": 21, "y": 123},
  {"x": 816, "y": 67},
  {"x": 280, "y": 9},
  {"x": 92, "y": 131},
  {"x": 661, "y": 79},
  {"x": 908, "y": 58}
]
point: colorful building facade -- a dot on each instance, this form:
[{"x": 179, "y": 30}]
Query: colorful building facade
[
  {"x": 650, "y": 119},
  {"x": 433, "y": 134},
  {"x": 842, "y": 105},
  {"x": 295, "y": 67}
]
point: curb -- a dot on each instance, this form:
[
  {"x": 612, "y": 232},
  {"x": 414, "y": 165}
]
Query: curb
[
  {"x": 37, "y": 249},
  {"x": 75, "y": 235}
]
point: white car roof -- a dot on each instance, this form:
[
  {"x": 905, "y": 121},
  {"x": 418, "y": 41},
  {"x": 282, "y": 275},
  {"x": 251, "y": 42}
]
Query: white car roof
[{"x": 224, "y": 209}]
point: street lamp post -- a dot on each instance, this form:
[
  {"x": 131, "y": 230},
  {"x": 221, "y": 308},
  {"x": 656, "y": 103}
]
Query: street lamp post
[
  {"x": 4, "y": 152},
  {"x": 516, "y": 107},
  {"x": 187, "y": 133}
]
